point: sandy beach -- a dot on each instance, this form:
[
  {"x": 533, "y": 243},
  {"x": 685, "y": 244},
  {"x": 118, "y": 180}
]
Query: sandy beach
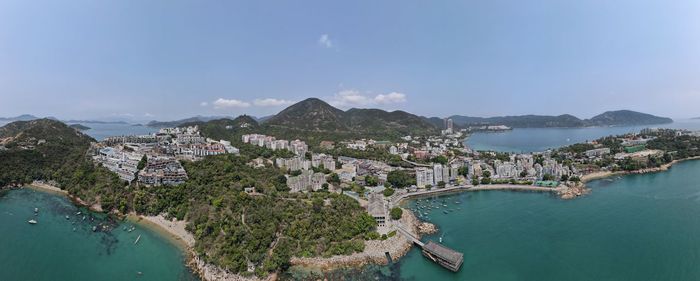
[
  {"x": 175, "y": 230},
  {"x": 47, "y": 187}
]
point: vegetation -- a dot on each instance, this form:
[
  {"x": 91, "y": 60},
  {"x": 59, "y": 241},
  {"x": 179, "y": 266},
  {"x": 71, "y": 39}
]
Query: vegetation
[
  {"x": 231, "y": 227},
  {"x": 395, "y": 213},
  {"x": 400, "y": 179},
  {"x": 388, "y": 191},
  {"x": 620, "y": 117}
]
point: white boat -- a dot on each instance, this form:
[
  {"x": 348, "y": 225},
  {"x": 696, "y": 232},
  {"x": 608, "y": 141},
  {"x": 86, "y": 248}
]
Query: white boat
[
  {"x": 32, "y": 222},
  {"x": 137, "y": 239},
  {"x": 36, "y": 210}
]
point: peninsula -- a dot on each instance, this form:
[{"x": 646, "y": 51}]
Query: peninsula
[{"x": 312, "y": 185}]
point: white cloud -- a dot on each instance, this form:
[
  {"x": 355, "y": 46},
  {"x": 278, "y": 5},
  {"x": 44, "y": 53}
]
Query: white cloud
[
  {"x": 390, "y": 98},
  {"x": 229, "y": 103},
  {"x": 204, "y": 103},
  {"x": 349, "y": 98},
  {"x": 148, "y": 115},
  {"x": 325, "y": 41},
  {"x": 271, "y": 102}
]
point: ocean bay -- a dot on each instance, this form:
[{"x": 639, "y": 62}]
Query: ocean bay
[
  {"x": 633, "y": 227},
  {"x": 57, "y": 248}
]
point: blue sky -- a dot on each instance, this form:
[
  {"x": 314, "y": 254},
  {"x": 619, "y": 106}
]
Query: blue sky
[{"x": 171, "y": 59}]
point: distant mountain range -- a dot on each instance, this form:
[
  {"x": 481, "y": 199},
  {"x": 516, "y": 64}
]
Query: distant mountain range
[
  {"x": 609, "y": 118},
  {"x": 176, "y": 123},
  {"x": 23, "y": 117}
]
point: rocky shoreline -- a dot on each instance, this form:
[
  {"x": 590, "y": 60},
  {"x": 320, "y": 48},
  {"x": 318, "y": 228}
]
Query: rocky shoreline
[
  {"x": 581, "y": 188},
  {"x": 375, "y": 250}
]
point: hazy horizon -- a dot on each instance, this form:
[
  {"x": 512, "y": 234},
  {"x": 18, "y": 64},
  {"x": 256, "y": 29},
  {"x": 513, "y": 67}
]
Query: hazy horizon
[{"x": 167, "y": 60}]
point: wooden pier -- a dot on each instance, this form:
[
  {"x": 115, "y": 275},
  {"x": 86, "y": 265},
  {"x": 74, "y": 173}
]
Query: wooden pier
[{"x": 438, "y": 253}]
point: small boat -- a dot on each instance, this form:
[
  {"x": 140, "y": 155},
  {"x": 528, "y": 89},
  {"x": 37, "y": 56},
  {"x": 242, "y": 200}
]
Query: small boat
[
  {"x": 74, "y": 229},
  {"x": 440, "y": 239},
  {"x": 32, "y": 222},
  {"x": 137, "y": 239},
  {"x": 445, "y": 211},
  {"x": 36, "y": 210},
  {"x": 67, "y": 217},
  {"x": 94, "y": 228},
  {"x": 78, "y": 213}
]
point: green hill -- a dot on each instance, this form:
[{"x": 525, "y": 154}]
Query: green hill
[
  {"x": 610, "y": 118},
  {"x": 314, "y": 119},
  {"x": 49, "y": 150},
  {"x": 626, "y": 117}
]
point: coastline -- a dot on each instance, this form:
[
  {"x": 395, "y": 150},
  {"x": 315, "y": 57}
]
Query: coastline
[
  {"x": 374, "y": 252},
  {"x": 36, "y": 185},
  {"x": 173, "y": 231},
  {"x": 605, "y": 174}
]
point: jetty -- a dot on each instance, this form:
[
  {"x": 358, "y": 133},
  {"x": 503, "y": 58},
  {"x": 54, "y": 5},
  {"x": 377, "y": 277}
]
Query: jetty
[{"x": 438, "y": 253}]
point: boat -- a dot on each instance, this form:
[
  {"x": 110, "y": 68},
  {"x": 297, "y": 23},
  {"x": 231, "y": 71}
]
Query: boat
[
  {"x": 32, "y": 222},
  {"x": 78, "y": 213},
  {"x": 445, "y": 211},
  {"x": 137, "y": 239},
  {"x": 94, "y": 228},
  {"x": 36, "y": 210},
  {"x": 440, "y": 239},
  {"x": 67, "y": 217}
]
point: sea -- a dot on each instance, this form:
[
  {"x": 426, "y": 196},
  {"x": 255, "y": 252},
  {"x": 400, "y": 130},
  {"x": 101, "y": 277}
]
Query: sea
[
  {"x": 523, "y": 140},
  {"x": 63, "y": 246},
  {"x": 635, "y": 227}
]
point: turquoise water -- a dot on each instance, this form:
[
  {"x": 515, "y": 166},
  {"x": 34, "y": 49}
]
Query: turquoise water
[
  {"x": 638, "y": 227},
  {"x": 52, "y": 250},
  {"x": 541, "y": 139}
]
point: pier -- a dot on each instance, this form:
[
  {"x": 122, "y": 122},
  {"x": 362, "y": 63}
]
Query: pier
[{"x": 437, "y": 253}]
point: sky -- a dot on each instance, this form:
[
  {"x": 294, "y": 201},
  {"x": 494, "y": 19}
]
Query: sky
[{"x": 170, "y": 59}]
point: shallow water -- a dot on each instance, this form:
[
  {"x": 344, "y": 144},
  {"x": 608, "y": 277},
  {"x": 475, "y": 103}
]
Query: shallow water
[{"x": 67, "y": 249}]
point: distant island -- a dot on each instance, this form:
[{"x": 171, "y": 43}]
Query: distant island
[
  {"x": 609, "y": 118},
  {"x": 80, "y": 127},
  {"x": 23, "y": 117}
]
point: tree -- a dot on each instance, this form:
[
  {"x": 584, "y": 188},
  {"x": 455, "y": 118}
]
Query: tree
[
  {"x": 575, "y": 179},
  {"x": 485, "y": 180},
  {"x": 334, "y": 178},
  {"x": 399, "y": 178},
  {"x": 564, "y": 177},
  {"x": 548, "y": 177},
  {"x": 428, "y": 186},
  {"x": 486, "y": 173},
  {"x": 440, "y": 159},
  {"x": 441, "y": 184},
  {"x": 475, "y": 181},
  {"x": 388, "y": 191},
  {"x": 371, "y": 180},
  {"x": 395, "y": 213},
  {"x": 523, "y": 174},
  {"x": 464, "y": 171},
  {"x": 142, "y": 163}
]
